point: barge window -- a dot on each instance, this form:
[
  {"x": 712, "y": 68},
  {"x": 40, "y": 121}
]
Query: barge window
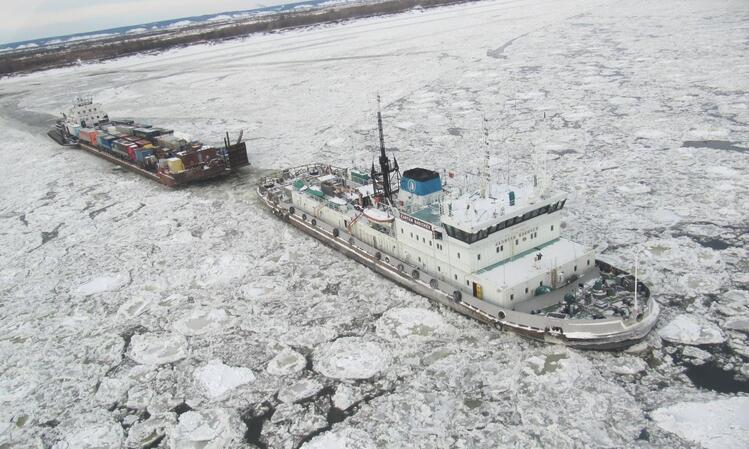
[
  {"x": 458, "y": 255},
  {"x": 512, "y": 297},
  {"x": 498, "y": 249},
  {"x": 456, "y": 277},
  {"x": 552, "y": 227},
  {"x": 575, "y": 268},
  {"x": 526, "y": 289},
  {"x": 588, "y": 262},
  {"x": 478, "y": 256},
  {"x": 438, "y": 268}
]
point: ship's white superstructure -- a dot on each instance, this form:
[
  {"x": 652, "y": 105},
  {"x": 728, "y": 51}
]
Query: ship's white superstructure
[
  {"x": 84, "y": 114},
  {"x": 495, "y": 252},
  {"x": 500, "y": 248}
]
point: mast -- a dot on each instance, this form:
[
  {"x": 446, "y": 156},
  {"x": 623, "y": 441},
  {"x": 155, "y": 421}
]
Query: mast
[
  {"x": 385, "y": 168},
  {"x": 485, "y": 170},
  {"x": 384, "y": 161}
]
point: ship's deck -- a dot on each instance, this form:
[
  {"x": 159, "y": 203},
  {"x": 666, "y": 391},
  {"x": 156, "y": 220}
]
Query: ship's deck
[{"x": 526, "y": 266}]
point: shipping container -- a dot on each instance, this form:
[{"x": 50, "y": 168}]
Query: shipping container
[
  {"x": 189, "y": 160},
  {"x": 124, "y": 129},
  {"x": 142, "y": 153},
  {"x": 172, "y": 142},
  {"x": 107, "y": 142},
  {"x": 175, "y": 165}
]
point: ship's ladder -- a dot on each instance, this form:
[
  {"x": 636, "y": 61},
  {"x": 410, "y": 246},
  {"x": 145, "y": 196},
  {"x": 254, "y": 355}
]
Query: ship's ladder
[
  {"x": 317, "y": 210},
  {"x": 351, "y": 224}
]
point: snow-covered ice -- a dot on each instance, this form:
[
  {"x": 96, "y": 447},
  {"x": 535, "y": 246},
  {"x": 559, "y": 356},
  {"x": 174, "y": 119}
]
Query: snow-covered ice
[
  {"x": 214, "y": 428},
  {"x": 286, "y": 362},
  {"x": 351, "y": 358},
  {"x": 119, "y": 294},
  {"x": 719, "y": 424},
  {"x": 156, "y": 349},
  {"x": 217, "y": 378},
  {"x": 691, "y": 330}
]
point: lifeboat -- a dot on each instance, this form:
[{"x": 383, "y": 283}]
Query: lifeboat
[{"x": 378, "y": 216}]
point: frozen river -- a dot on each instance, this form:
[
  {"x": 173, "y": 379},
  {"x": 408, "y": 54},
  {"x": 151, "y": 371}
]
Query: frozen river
[{"x": 136, "y": 316}]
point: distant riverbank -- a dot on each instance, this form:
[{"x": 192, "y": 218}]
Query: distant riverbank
[{"x": 109, "y": 47}]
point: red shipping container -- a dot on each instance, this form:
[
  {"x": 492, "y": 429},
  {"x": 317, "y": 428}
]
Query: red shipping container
[{"x": 131, "y": 151}]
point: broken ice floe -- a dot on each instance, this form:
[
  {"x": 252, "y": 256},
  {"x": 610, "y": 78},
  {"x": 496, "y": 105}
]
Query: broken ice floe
[
  {"x": 626, "y": 365},
  {"x": 691, "y": 330},
  {"x": 105, "y": 283},
  {"x": 411, "y": 322},
  {"x": 341, "y": 438},
  {"x": 202, "y": 321},
  {"x": 90, "y": 431},
  {"x": 148, "y": 433},
  {"x": 719, "y": 424},
  {"x": 299, "y": 391},
  {"x": 215, "y": 378},
  {"x": 157, "y": 349},
  {"x": 351, "y": 358},
  {"x": 215, "y": 428},
  {"x": 286, "y": 362}
]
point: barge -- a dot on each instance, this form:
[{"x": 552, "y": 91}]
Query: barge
[
  {"x": 156, "y": 153},
  {"x": 495, "y": 254}
]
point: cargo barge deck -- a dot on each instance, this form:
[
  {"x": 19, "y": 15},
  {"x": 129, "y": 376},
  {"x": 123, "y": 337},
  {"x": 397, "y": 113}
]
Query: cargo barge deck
[{"x": 155, "y": 153}]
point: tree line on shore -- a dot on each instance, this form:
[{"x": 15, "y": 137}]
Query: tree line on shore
[{"x": 42, "y": 58}]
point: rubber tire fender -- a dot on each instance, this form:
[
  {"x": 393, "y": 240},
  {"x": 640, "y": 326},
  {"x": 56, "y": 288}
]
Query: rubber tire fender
[
  {"x": 336, "y": 232},
  {"x": 291, "y": 210},
  {"x": 457, "y": 296},
  {"x": 415, "y": 274},
  {"x": 313, "y": 222}
]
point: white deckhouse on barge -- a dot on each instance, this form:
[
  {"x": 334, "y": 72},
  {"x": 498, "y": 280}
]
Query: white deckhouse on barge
[{"x": 495, "y": 254}]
